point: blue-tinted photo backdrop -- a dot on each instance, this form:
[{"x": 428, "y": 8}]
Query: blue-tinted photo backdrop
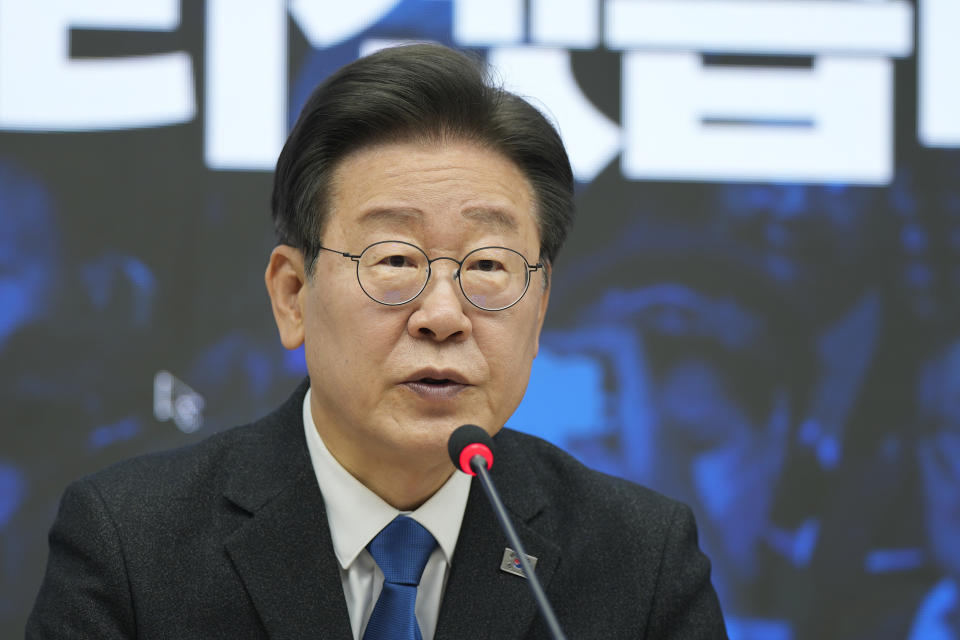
[{"x": 756, "y": 312}]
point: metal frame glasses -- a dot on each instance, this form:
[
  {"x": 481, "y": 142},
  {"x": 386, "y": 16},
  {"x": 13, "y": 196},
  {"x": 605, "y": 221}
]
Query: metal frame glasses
[{"x": 394, "y": 272}]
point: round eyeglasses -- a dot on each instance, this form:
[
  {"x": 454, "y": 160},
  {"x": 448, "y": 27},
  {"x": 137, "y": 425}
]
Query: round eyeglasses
[{"x": 393, "y": 272}]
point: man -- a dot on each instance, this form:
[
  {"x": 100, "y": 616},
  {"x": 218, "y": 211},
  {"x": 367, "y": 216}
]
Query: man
[{"x": 418, "y": 211}]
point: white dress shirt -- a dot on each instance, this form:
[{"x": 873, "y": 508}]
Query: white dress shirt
[{"x": 356, "y": 514}]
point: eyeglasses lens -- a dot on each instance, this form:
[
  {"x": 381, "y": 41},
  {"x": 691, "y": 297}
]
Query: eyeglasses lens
[
  {"x": 494, "y": 278},
  {"x": 392, "y": 272}
]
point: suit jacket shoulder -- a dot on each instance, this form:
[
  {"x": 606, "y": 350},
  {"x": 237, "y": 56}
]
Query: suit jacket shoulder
[
  {"x": 620, "y": 560},
  {"x": 225, "y": 538}
]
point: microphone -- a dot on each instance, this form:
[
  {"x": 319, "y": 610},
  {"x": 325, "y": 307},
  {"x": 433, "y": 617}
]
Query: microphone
[{"x": 471, "y": 451}]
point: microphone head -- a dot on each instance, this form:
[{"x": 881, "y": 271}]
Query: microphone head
[{"x": 466, "y": 442}]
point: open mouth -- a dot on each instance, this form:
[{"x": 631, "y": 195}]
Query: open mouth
[{"x": 435, "y": 388}]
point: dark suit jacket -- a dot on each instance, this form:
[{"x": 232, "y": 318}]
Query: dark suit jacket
[{"x": 229, "y": 539}]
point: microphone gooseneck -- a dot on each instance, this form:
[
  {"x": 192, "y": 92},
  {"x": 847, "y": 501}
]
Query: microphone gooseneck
[{"x": 471, "y": 451}]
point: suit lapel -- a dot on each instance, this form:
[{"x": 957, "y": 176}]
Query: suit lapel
[
  {"x": 480, "y": 599},
  {"x": 285, "y": 558},
  {"x": 282, "y": 549}
]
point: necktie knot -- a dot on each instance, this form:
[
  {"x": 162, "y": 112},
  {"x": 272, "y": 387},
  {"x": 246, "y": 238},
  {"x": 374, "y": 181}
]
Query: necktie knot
[{"x": 401, "y": 550}]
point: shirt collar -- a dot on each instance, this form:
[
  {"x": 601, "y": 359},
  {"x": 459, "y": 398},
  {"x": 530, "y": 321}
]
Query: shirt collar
[{"x": 356, "y": 514}]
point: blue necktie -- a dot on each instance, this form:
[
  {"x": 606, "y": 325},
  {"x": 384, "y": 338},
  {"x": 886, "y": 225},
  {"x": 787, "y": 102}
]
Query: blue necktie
[{"x": 401, "y": 551}]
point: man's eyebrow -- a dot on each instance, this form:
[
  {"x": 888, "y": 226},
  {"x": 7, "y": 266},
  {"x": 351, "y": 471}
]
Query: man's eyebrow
[
  {"x": 493, "y": 217},
  {"x": 391, "y": 215}
]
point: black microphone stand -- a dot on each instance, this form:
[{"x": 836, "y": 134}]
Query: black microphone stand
[{"x": 479, "y": 466}]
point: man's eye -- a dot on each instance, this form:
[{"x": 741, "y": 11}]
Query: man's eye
[
  {"x": 397, "y": 261},
  {"x": 486, "y": 265}
]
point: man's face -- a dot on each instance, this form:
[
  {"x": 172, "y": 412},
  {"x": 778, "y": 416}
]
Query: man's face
[{"x": 390, "y": 383}]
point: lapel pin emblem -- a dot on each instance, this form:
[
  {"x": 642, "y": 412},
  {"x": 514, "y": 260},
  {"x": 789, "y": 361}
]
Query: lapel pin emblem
[{"x": 511, "y": 562}]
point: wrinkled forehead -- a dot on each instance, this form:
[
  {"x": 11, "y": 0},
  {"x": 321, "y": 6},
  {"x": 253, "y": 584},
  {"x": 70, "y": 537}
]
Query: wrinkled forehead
[
  {"x": 429, "y": 189},
  {"x": 487, "y": 218}
]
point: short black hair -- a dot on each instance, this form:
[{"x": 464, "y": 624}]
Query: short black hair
[{"x": 415, "y": 92}]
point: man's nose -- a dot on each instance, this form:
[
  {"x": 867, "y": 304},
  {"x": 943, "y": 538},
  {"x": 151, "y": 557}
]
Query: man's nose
[{"x": 439, "y": 314}]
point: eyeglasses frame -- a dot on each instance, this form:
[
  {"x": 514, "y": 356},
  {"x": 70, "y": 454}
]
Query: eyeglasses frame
[{"x": 456, "y": 275}]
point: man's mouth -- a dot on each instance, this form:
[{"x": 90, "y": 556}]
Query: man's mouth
[{"x": 435, "y": 388}]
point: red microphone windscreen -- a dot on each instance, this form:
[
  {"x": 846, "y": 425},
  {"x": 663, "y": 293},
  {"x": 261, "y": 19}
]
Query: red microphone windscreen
[{"x": 466, "y": 442}]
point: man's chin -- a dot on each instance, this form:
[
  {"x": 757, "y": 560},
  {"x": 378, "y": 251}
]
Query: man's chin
[{"x": 426, "y": 435}]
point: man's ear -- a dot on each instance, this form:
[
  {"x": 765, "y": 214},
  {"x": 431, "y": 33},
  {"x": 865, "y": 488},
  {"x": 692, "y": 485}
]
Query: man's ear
[{"x": 286, "y": 279}]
